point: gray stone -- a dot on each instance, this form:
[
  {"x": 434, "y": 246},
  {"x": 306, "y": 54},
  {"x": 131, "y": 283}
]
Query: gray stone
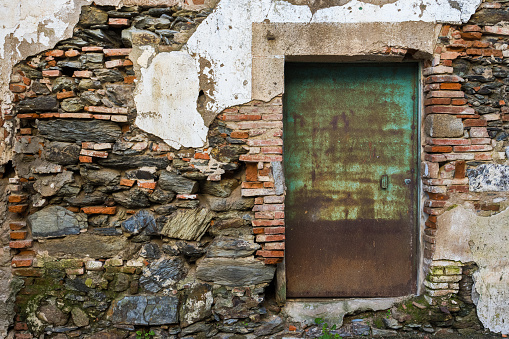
[
  {"x": 201, "y": 327},
  {"x": 270, "y": 326},
  {"x": 279, "y": 177},
  {"x": 87, "y": 199},
  {"x": 391, "y": 323},
  {"x": 150, "y": 23},
  {"x": 72, "y": 105},
  {"x": 91, "y": 15},
  {"x": 122, "y": 93},
  {"x": 188, "y": 224},
  {"x": 79, "y": 317},
  {"x": 196, "y": 304},
  {"x": 134, "y": 198},
  {"x": 75, "y": 64},
  {"x": 229, "y": 247},
  {"x": 162, "y": 197},
  {"x": 139, "y": 221},
  {"x": 62, "y": 153},
  {"x": 30, "y": 145},
  {"x": 221, "y": 188},
  {"x": 91, "y": 98},
  {"x": 92, "y": 57},
  {"x": 130, "y": 161},
  {"x": 76, "y": 130},
  {"x": 94, "y": 246},
  {"x": 143, "y": 37},
  {"x": 121, "y": 282},
  {"x": 44, "y": 103},
  {"x": 50, "y": 313},
  {"x": 165, "y": 210},
  {"x": 234, "y": 202},
  {"x": 49, "y": 185},
  {"x": 145, "y": 310},
  {"x": 55, "y": 221},
  {"x": 489, "y": 178},
  {"x": 443, "y": 126},
  {"x": 234, "y": 272},
  {"x": 39, "y": 88},
  {"x": 376, "y": 332},
  {"x": 102, "y": 177},
  {"x": 490, "y": 16},
  {"x": 162, "y": 274},
  {"x": 191, "y": 250},
  {"x": 144, "y": 173},
  {"x": 63, "y": 83},
  {"x": 177, "y": 183},
  {"x": 98, "y": 220},
  {"x": 150, "y": 251},
  {"x": 108, "y": 75},
  {"x": 86, "y": 84}
]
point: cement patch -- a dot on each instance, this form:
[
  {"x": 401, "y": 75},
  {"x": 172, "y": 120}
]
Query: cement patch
[{"x": 464, "y": 236}]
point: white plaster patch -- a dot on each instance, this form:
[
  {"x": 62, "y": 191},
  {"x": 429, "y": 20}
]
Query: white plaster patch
[
  {"x": 166, "y": 100},
  {"x": 464, "y": 236}
]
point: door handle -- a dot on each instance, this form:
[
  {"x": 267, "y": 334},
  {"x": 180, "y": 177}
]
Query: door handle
[{"x": 384, "y": 181}]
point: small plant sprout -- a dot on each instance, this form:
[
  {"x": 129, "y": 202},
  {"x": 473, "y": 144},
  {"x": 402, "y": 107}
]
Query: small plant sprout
[
  {"x": 326, "y": 331},
  {"x": 142, "y": 334}
]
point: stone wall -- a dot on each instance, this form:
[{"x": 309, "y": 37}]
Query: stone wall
[{"x": 111, "y": 230}]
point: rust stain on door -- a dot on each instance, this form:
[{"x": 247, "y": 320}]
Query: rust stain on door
[{"x": 350, "y": 152}]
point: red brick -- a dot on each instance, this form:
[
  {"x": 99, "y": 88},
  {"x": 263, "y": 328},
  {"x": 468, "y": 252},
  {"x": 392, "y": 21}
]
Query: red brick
[
  {"x": 480, "y": 44},
  {"x": 258, "y": 124},
  {"x": 251, "y": 171},
  {"x": 269, "y": 207},
  {"x": 107, "y": 110},
  {"x": 73, "y": 209},
  {"x": 270, "y": 254},
  {"x": 51, "y": 73},
  {"x": 268, "y": 184},
  {"x": 267, "y": 142},
  {"x": 146, "y": 184},
  {"x": 433, "y": 211},
  {"x": 483, "y": 156},
  {"x": 473, "y": 148},
  {"x": 438, "y": 149},
  {"x": 269, "y": 238},
  {"x": 279, "y": 214},
  {"x": 443, "y": 78},
  {"x": 204, "y": 156},
  {"x": 64, "y": 95},
  {"x": 471, "y": 35},
  {"x": 459, "y": 102},
  {"x": 272, "y": 117},
  {"x": 17, "y": 198},
  {"x": 447, "y": 63},
  {"x": 264, "y": 215},
  {"x": 18, "y": 235},
  {"x": 72, "y": 53},
  {"x": 274, "y": 246},
  {"x": 458, "y": 188},
  {"x": 274, "y": 230},
  {"x": 99, "y": 210},
  {"x": 25, "y": 131},
  {"x": 20, "y": 327},
  {"x": 239, "y": 135},
  {"x": 19, "y": 261},
  {"x": 447, "y": 141},
  {"x": 17, "y": 208},
  {"x": 474, "y": 51},
  {"x": 475, "y": 123},
  {"x": 28, "y": 116},
  {"x": 17, "y": 225},
  {"x": 266, "y": 261},
  {"x": 258, "y": 158},
  {"x": 446, "y": 94},
  {"x": 101, "y": 116},
  {"x": 444, "y": 31},
  {"x": 83, "y": 74},
  {"x": 49, "y": 115},
  {"x": 258, "y": 200},
  {"x": 118, "y": 22},
  {"x": 56, "y": 53},
  {"x": 449, "y": 55},
  {"x": 27, "y": 272},
  {"x": 487, "y": 207},
  {"x": 126, "y": 182},
  {"x": 258, "y": 230},
  {"x": 449, "y": 110},
  {"x": 241, "y": 117},
  {"x": 117, "y": 51},
  {"x": 278, "y": 222},
  {"x": 76, "y": 115},
  {"x": 20, "y": 243},
  {"x": 460, "y": 169},
  {"x": 434, "y": 157},
  {"x": 430, "y": 224},
  {"x": 91, "y": 153},
  {"x": 450, "y": 86},
  {"x": 437, "y": 101},
  {"x": 435, "y": 203},
  {"x": 471, "y": 28},
  {"x": 129, "y": 79},
  {"x": 252, "y": 185},
  {"x": 17, "y": 88},
  {"x": 492, "y": 52},
  {"x": 272, "y": 150},
  {"x": 92, "y": 49},
  {"x": 85, "y": 159}
]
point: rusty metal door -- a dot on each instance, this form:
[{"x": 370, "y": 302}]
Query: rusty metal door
[{"x": 350, "y": 152}]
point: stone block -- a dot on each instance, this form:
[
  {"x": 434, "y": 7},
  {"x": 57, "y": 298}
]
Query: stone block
[
  {"x": 234, "y": 272},
  {"x": 443, "y": 126},
  {"x": 188, "y": 224},
  {"x": 55, "y": 221}
]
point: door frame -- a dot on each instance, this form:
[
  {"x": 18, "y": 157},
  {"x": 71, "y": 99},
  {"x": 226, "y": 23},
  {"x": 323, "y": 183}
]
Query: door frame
[{"x": 273, "y": 44}]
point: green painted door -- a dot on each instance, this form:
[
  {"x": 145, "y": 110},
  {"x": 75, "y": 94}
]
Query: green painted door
[{"x": 350, "y": 152}]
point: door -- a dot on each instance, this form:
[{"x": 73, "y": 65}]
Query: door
[{"x": 350, "y": 152}]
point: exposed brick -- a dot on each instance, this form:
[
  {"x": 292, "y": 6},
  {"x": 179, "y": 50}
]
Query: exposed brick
[
  {"x": 21, "y": 261},
  {"x": 270, "y": 254},
  {"x": 274, "y": 246},
  {"x": 17, "y": 88},
  {"x": 258, "y": 124},
  {"x": 147, "y": 184},
  {"x": 447, "y": 141},
  {"x": 17, "y": 208},
  {"x": 444, "y": 78},
  {"x": 435, "y": 203},
  {"x": 483, "y": 156},
  {"x": 269, "y": 238},
  {"x": 437, "y": 101},
  {"x": 85, "y": 159},
  {"x": 269, "y": 207},
  {"x": 450, "y": 86},
  {"x": 274, "y": 230},
  {"x": 27, "y": 272},
  {"x": 51, "y": 73},
  {"x": 92, "y": 153},
  {"x": 257, "y": 158},
  {"x": 474, "y": 51},
  {"x": 458, "y": 188},
  {"x": 449, "y": 110},
  {"x": 119, "y": 118},
  {"x": 274, "y": 199},
  {"x": 438, "y": 149},
  {"x": 18, "y": 235},
  {"x": 479, "y": 132},
  {"x": 204, "y": 156},
  {"x": 258, "y": 200},
  {"x": 25, "y": 131},
  {"x": 434, "y": 157},
  {"x": 17, "y": 198},
  {"x": 471, "y": 35},
  {"x": 258, "y": 230},
  {"x": 459, "y": 102},
  {"x": 473, "y": 148},
  {"x": 272, "y": 117},
  {"x": 20, "y": 243},
  {"x": 126, "y": 182},
  {"x": 496, "y": 30},
  {"x": 28, "y": 116},
  {"x": 239, "y": 135},
  {"x": 266, "y": 261},
  {"x": 264, "y": 215},
  {"x": 277, "y": 222},
  {"x": 252, "y": 184},
  {"x": 449, "y": 55},
  {"x": 433, "y": 211},
  {"x": 117, "y": 51},
  {"x": 72, "y": 53},
  {"x": 76, "y": 115},
  {"x": 56, "y": 53},
  {"x": 118, "y": 63},
  {"x": 129, "y": 79},
  {"x": 99, "y": 210},
  {"x": 241, "y": 117},
  {"x": 64, "y": 95},
  {"x": 19, "y": 326},
  {"x": 265, "y": 142},
  {"x": 460, "y": 170},
  {"x": 118, "y": 22},
  {"x": 48, "y": 115},
  {"x": 248, "y": 192},
  {"x": 107, "y": 110},
  {"x": 17, "y": 225},
  {"x": 83, "y": 74}
]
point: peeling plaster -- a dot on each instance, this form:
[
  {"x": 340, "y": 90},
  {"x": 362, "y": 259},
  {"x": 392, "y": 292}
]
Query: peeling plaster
[{"x": 464, "y": 236}]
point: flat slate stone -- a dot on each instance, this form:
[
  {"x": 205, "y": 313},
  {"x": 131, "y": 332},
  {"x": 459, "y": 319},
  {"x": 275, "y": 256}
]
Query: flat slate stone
[
  {"x": 55, "y": 221},
  {"x": 94, "y": 246},
  {"x": 234, "y": 272},
  {"x": 177, "y": 183},
  {"x": 62, "y": 153},
  {"x": 145, "y": 310},
  {"x": 39, "y": 104},
  {"x": 163, "y": 273},
  {"x": 132, "y": 161},
  {"x": 489, "y": 178},
  {"x": 141, "y": 220},
  {"x": 75, "y": 130},
  {"x": 189, "y": 224}
]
